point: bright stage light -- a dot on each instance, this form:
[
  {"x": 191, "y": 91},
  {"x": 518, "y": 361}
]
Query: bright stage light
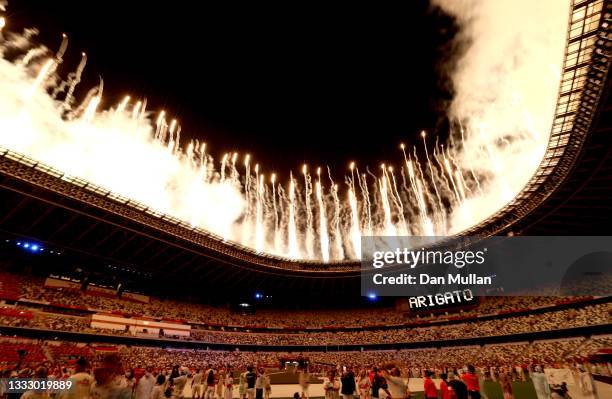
[{"x": 33, "y": 247}]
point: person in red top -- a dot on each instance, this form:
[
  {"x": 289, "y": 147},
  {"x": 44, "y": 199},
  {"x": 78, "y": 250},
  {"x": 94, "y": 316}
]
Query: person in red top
[
  {"x": 139, "y": 372},
  {"x": 471, "y": 380},
  {"x": 431, "y": 392},
  {"x": 445, "y": 393}
]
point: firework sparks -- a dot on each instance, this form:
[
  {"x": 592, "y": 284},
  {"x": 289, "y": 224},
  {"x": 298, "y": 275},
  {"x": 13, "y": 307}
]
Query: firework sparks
[{"x": 127, "y": 151}]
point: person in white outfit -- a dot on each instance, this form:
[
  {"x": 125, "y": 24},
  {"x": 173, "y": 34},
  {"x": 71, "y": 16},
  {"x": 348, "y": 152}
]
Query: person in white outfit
[
  {"x": 267, "y": 385},
  {"x": 145, "y": 385},
  {"x": 229, "y": 384},
  {"x": 196, "y": 385},
  {"x": 178, "y": 384},
  {"x": 160, "y": 387},
  {"x": 81, "y": 381},
  {"x": 540, "y": 383}
]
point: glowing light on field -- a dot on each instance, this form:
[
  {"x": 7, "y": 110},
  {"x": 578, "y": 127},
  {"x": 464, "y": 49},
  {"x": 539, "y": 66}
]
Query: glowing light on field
[{"x": 500, "y": 117}]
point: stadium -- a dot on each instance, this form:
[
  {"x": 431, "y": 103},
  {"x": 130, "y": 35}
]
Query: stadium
[{"x": 113, "y": 291}]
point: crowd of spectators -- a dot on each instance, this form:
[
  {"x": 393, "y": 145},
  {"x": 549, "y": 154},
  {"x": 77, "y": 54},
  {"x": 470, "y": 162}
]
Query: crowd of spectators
[
  {"x": 553, "y": 354},
  {"x": 550, "y": 353},
  {"x": 33, "y": 289},
  {"x": 589, "y": 315},
  {"x": 578, "y": 315},
  {"x": 553, "y": 320}
]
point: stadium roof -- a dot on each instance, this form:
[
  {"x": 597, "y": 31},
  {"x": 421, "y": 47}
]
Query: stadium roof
[{"x": 570, "y": 194}]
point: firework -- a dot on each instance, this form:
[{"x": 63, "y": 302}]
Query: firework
[{"x": 496, "y": 144}]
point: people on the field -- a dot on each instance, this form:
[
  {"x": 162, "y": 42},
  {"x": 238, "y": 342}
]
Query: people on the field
[
  {"x": 303, "y": 379},
  {"x": 81, "y": 380},
  {"x": 220, "y": 383},
  {"x": 429, "y": 387},
  {"x": 159, "y": 388},
  {"x": 506, "y": 385},
  {"x": 145, "y": 384},
  {"x": 229, "y": 384},
  {"x": 178, "y": 383},
  {"x": 364, "y": 385},
  {"x": 331, "y": 385},
  {"x": 458, "y": 389},
  {"x": 398, "y": 386},
  {"x": 110, "y": 382},
  {"x": 444, "y": 387},
  {"x": 540, "y": 383},
  {"x": 250, "y": 378},
  {"x": 196, "y": 385},
  {"x": 472, "y": 382},
  {"x": 379, "y": 384},
  {"x": 348, "y": 383},
  {"x": 267, "y": 385},
  {"x": 211, "y": 384}
]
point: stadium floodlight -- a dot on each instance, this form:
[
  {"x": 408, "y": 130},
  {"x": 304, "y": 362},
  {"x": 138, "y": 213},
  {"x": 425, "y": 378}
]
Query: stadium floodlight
[{"x": 32, "y": 247}]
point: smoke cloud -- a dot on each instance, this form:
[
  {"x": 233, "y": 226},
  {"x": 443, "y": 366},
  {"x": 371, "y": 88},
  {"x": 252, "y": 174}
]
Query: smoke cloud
[
  {"x": 506, "y": 83},
  {"x": 505, "y": 80}
]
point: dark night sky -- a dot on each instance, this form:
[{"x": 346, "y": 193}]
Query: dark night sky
[{"x": 288, "y": 84}]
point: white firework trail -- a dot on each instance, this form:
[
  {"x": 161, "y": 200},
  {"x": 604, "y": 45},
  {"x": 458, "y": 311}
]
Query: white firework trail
[
  {"x": 506, "y": 82},
  {"x": 323, "y": 234}
]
